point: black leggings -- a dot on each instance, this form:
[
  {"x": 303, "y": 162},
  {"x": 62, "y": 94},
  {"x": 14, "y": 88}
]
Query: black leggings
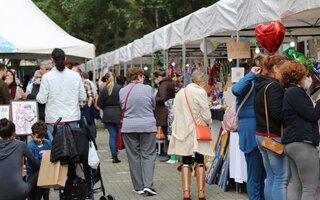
[{"x": 187, "y": 160}]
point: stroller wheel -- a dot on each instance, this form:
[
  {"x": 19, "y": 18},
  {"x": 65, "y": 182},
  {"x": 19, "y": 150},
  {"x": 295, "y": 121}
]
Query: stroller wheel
[{"x": 109, "y": 197}]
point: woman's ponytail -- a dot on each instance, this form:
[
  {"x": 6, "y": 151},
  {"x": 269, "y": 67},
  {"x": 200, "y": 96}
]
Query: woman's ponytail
[{"x": 58, "y": 57}]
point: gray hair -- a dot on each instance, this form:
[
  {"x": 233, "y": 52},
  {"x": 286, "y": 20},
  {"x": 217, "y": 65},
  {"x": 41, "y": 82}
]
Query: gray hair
[
  {"x": 199, "y": 76},
  {"x": 47, "y": 64}
]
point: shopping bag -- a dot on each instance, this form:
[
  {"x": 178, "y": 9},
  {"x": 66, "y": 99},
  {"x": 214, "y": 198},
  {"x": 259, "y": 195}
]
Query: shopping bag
[
  {"x": 120, "y": 143},
  {"x": 93, "y": 159},
  {"x": 51, "y": 175}
]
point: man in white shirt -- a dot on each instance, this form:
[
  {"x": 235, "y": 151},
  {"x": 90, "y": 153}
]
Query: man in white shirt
[{"x": 61, "y": 90}]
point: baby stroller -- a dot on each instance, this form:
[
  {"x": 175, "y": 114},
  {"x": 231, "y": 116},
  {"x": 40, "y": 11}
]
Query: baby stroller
[{"x": 78, "y": 188}]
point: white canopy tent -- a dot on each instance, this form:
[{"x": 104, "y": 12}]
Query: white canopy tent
[
  {"x": 28, "y": 33},
  {"x": 221, "y": 20}
]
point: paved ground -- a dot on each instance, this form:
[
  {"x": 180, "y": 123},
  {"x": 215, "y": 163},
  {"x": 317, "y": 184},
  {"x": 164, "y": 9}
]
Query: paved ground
[{"x": 167, "y": 180}]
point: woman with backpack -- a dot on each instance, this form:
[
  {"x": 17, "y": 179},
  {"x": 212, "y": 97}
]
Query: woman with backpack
[{"x": 244, "y": 91}]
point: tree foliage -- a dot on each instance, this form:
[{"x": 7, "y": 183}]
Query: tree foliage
[{"x": 110, "y": 24}]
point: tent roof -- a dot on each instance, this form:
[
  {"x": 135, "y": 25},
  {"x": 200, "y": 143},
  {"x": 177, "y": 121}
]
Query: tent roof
[
  {"x": 26, "y": 32},
  {"x": 221, "y": 20}
]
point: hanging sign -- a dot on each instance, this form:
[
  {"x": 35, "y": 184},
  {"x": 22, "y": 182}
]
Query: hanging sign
[
  {"x": 236, "y": 74},
  {"x": 237, "y": 50},
  {"x": 105, "y": 70}
]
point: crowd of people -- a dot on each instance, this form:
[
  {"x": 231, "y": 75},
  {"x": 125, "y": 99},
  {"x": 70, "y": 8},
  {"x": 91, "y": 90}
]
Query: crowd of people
[{"x": 279, "y": 107}]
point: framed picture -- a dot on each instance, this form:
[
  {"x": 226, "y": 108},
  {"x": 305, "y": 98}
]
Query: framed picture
[
  {"x": 5, "y": 111},
  {"x": 24, "y": 114}
]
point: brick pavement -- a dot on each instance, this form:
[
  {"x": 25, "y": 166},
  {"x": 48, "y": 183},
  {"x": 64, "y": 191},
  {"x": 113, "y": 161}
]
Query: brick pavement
[{"x": 116, "y": 178}]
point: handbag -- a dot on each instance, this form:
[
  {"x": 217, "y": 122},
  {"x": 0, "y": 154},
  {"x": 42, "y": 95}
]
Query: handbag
[
  {"x": 120, "y": 143},
  {"x": 230, "y": 118},
  {"x": 51, "y": 175},
  {"x": 160, "y": 134},
  {"x": 93, "y": 159},
  {"x": 268, "y": 142},
  {"x": 203, "y": 133}
]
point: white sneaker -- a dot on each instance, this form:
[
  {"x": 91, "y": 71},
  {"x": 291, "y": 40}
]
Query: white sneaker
[
  {"x": 172, "y": 161},
  {"x": 138, "y": 191},
  {"x": 149, "y": 192}
]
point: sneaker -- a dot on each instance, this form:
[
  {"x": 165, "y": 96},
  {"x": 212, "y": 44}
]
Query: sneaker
[
  {"x": 149, "y": 192},
  {"x": 172, "y": 161},
  {"x": 138, "y": 191},
  {"x": 164, "y": 159}
]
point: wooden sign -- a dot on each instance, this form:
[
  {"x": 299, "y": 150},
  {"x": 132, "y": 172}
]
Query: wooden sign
[{"x": 237, "y": 50}]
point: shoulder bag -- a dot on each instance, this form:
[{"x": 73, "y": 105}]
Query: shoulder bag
[
  {"x": 120, "y": 143},
  {"x": 203, "y": 132},
  {"x": 267, "y": 142}
]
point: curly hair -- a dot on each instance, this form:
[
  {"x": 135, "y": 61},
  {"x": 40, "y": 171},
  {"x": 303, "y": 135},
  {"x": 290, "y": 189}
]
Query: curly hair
[
  {"x": 133, "y": 73},
  {"x": 292, "y": 72},
  {"x": 39, "y": 128}
]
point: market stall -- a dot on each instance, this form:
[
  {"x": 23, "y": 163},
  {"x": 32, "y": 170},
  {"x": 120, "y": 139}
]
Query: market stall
[{"x": 30, "y": 34}]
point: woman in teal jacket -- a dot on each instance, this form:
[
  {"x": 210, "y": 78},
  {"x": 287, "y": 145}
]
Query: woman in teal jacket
[{"x": 247, "y": 135}]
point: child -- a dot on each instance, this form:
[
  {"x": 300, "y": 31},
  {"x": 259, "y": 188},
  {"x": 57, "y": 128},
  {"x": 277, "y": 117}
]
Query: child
[{"x": 36, "y": 146}]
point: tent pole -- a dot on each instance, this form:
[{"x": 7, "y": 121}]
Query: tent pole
[
  {"x": 94, "y": 70},
  {"x": 167, "y": 60},
  {"x": 125, "y": 69},
  {"x": 184, "y": 63},
  {"x": 238, "y": 61},
  {"x": 205, "y": 56},
  {"x": 164, "y": 60},
  {"x": 85, "y": 64},
  {"x": 152, "y": 70},
  {"x": 152, "y": 63},
  {"x": 141, "y": 63}
]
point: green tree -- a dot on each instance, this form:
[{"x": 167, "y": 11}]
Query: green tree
[{"x": 110, "y": 24}]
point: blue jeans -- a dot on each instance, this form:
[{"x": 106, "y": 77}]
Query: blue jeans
[
  {"x": 50, "y": 128},
  {"x": 278, "y": 173},
  {"x": 256, "y": 175},
  {"x": 113, "y": 129}
]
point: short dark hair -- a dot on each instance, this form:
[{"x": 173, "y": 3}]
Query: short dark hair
[
  {"x": 2, "y": 66},
  {"x": 39, "y": 128},
  {"x": 121, "y": 80},
  {"x": 7, "y": 128},
  {"x": 85, "y": 75},
  {"x": 160, "y": 72}
]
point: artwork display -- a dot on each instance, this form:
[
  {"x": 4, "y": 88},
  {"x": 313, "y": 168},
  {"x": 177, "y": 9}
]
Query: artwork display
[
  {"x": 4, "y": 111},
  {"x": 24, "y": 115}
]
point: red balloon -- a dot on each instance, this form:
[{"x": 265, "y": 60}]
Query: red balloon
[{"x": 270, "y": 36}]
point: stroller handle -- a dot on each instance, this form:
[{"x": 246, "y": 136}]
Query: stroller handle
[{"x": 58, "y": 121}]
